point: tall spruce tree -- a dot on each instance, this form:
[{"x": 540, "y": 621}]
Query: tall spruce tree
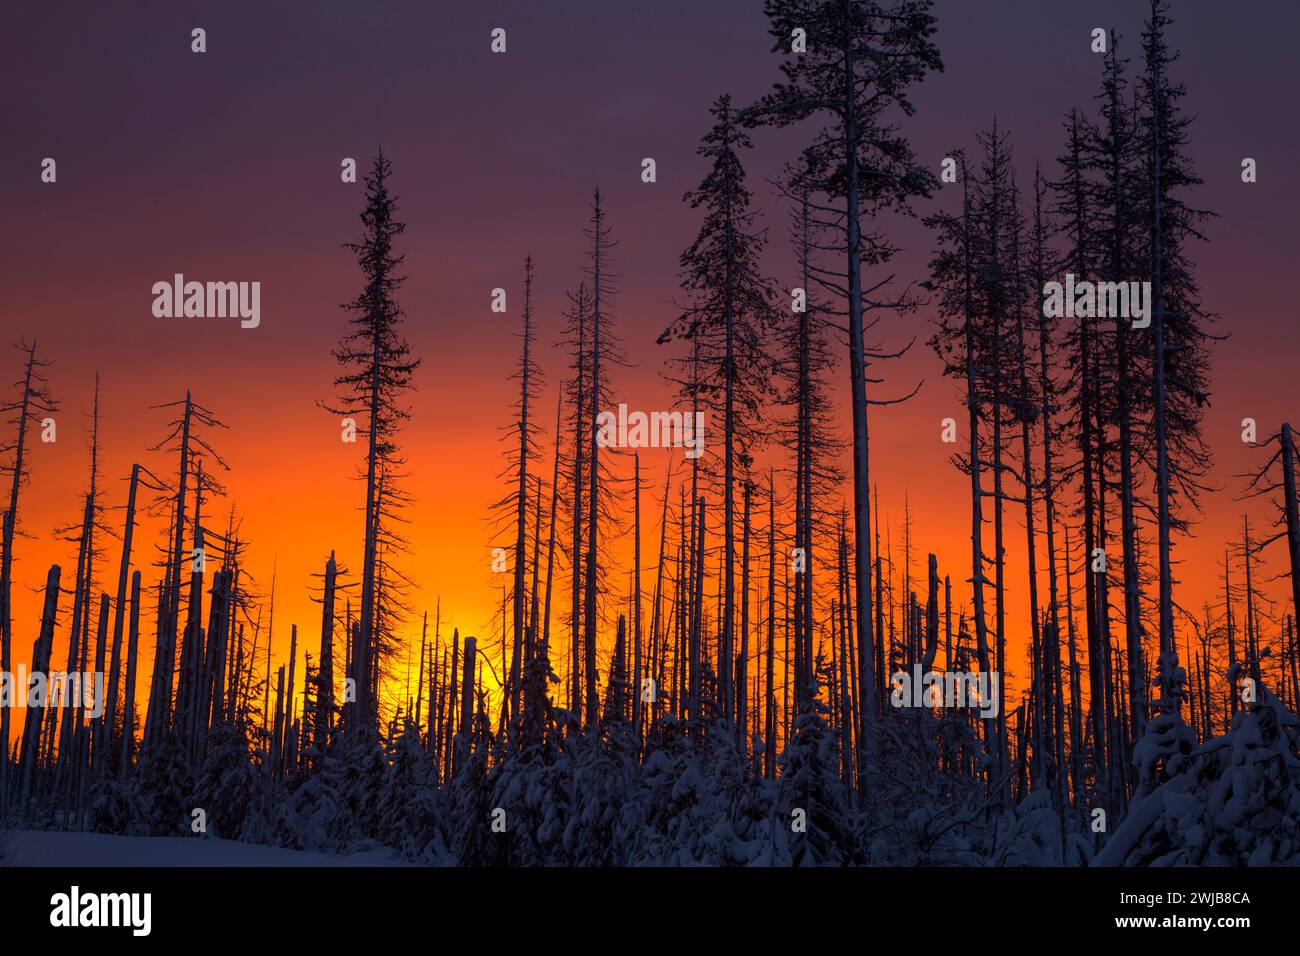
[
  {"x": 1180, "y": 333},
  {"x": 1113, "y": 157},
  {"x": 378, "y": 370},
  {"x": 861, "y": 59},
  {"x": 727, "y": 316}
]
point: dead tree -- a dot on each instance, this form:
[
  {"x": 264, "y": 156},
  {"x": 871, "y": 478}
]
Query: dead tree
[{"x": 33, "y": 405}]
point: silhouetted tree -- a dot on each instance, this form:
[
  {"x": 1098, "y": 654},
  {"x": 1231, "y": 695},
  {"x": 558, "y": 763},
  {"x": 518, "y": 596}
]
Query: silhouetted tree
[
  {"x": 726, "y": 317},
  {"x": 33, "y": 404},
  {"x": 860, "y": 62},
  {"x": 378, "y": 369}
]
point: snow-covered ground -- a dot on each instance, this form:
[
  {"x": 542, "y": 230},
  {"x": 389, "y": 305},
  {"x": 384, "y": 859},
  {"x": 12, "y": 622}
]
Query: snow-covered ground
[{"x": 49, "y": 848}]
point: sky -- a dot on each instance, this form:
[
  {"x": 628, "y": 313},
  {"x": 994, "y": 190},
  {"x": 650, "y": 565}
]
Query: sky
[{"x": 225, "y": 166}]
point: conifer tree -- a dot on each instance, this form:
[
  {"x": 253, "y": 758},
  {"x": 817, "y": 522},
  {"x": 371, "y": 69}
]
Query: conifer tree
[
  {"x": 1179, "y": 325},
  {"x": 855, "y": 75},
  {"x": 512, "y": 510},
  {"x": 725, "y": 320},
  {"x": 1114, "y": 158},
  {"x": 378, "y": 370}
]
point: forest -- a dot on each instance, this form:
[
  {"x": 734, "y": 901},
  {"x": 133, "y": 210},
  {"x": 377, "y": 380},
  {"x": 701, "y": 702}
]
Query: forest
[{"x": 718, "y": 663}]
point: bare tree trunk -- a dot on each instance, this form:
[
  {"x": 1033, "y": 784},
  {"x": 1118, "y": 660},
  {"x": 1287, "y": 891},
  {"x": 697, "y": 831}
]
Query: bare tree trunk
[
  {"x": 882, "y": 661},
  {"x": 467, "y": 709},
  {"x": 786, "y": 713},
  {"x": 160, "y": 715},
  {"x": 119, "y": 610},
  {"x": 1076, "y": 690},
  {"x": 1045, "y": 388},
  {"x": 80, "y": 612},
  {"x": 995, "y": 373},
  {"x": 1292, "y": 513},
  {"x": 593, "y": 497},
  {"x": 1252, "y": 623},
  {"x": 277, "y": 737},
  {"x": 1041, "y": 703},
  {"x": 94, "y": 740},
  {"x": 845, "y": 708},
  {"x": 10, "y": 524},
  {"x": 432, "y": 737},
  {"x": 289, "y": 700},
  {"x": 325, "y": 671},
  {"x": 550, "y": 540},
  {"x": 657, "y": 649},
  {"x": 861, "y": 456},
  {"x": 443, "y": 757},
  {"x": 579, "y": 453},
  {"x": 1164, "y": 517},
  {"x": 977, "y": 492},
  {"x": 128, "y": 699},
  {"x": 41, "y": 654},
  {"x": 270, "y": 640},
  {"x": 1230, "y": 625},
  {"x": 419, "y": 676},
  {"x": 453, "y": 689},
  {"x": 362, "y": 710},
  {"x": 1295, "y": 664},
  {"x": 769, "y": 704},
  {"x": 532, "y": 634},
  {"x": 521, "y": 496},
  {"x": 741, "y": 665},
  {"x": 697, "y": 599},
  {"x": 636, "y": 600},
  {"x": 726, "y": 639}
]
